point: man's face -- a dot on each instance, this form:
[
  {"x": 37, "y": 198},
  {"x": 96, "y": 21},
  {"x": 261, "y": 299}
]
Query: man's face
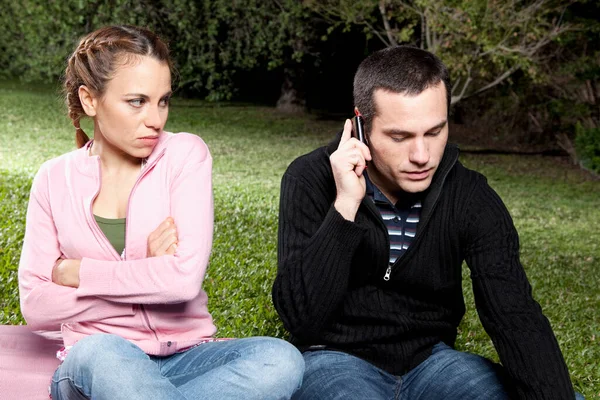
[{"x": 407, "y": 139}]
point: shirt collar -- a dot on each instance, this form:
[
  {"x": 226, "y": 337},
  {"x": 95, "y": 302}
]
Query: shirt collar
[
  {"x": 373, "y": 191},
  {"x": 406, "y": 201}
]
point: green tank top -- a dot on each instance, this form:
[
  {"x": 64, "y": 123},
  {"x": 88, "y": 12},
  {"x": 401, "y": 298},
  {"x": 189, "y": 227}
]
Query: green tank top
[{"x": 114, "y": 230}]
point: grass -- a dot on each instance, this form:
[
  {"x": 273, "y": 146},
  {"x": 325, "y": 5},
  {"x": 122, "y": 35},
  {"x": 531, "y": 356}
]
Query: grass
[{"x": 554, "y": 206}]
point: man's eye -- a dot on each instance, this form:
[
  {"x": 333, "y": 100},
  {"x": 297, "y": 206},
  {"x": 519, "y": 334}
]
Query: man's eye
[
  {"x": 435, "y": 133},
  {"x": 398, "y": 139},
  {"x": 136, "y": 102}
]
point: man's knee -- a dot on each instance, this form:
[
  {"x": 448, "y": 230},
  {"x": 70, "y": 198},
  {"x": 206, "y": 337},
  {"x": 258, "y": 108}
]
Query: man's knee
[
  {"x": 454, "y": 374},
  {"x": 337, "y": 375}
]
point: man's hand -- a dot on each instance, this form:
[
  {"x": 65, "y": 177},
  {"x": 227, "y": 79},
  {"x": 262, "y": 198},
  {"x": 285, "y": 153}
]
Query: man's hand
[
  {"x": 348, "y": 163},
  {"x": 163, "y": 240},
  {"x": 66, "y": 272}
]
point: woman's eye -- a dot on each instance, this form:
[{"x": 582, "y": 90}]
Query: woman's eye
[
  {"x": 164, "y": 102},
  {"x": 137, "y": 102}
]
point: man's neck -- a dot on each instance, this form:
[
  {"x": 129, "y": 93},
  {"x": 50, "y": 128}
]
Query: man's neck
[{"x": 398, "y": 198}]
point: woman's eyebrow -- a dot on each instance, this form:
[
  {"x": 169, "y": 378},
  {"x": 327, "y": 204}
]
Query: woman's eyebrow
[
  {"x": 145, "y": 96},
  {"x": 136, "y": 95}
]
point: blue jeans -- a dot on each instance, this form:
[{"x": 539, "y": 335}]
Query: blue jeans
[
  {"x": 109, "y": 367},
  {"x": 447, "y": 374}
]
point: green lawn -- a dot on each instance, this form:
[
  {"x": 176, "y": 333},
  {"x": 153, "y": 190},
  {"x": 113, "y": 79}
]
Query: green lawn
[{"x": 555, "y": 207}]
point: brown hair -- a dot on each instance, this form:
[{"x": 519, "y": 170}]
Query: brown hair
[
  {"x": 399, "y": 69},
  {"x": 97, "y": 56}
]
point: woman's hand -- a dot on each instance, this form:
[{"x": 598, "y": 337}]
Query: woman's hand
[
  {"x": 66, "y": 272},
  {"x": 163, "y": 240}
]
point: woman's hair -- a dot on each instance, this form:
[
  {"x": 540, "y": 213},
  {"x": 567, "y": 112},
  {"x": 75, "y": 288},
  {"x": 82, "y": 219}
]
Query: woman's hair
[{"x": 97, "y": 57}]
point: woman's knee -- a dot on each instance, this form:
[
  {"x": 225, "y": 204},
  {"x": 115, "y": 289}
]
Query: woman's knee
[
  {"x": 281, "y": 361},
  {"x": 97, "y": 349},
  {"x": 280, "y": 354}
]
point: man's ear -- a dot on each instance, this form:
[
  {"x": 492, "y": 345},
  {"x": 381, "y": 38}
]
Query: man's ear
[{"x": 89, "y": 102}]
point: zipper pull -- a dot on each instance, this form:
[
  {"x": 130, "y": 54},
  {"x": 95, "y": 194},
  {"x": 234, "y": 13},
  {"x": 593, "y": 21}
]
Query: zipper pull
[{"x": 388, "y": 272}]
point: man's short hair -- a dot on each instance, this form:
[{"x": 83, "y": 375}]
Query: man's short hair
[{"x": 399, "y": 69}]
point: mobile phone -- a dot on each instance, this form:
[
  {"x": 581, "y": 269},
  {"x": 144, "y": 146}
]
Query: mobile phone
[{"x": 358, "y": 128}]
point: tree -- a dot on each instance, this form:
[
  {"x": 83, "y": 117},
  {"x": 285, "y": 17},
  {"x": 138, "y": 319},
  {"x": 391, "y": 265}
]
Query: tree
[
  {"x": 483, "y": 42},
  {"x": 211, "y": 40},
  {"x": 572, "y": 91}
]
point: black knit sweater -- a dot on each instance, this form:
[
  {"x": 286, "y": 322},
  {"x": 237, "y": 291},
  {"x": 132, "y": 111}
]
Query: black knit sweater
[{"x": 330, "y": 289}]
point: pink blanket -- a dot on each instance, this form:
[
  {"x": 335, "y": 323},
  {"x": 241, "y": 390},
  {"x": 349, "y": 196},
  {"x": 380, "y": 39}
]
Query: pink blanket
[{"x": 27, "y": 362}]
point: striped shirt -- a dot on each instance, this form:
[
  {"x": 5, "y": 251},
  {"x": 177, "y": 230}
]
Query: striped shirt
[{"x": 401, "y": 219}]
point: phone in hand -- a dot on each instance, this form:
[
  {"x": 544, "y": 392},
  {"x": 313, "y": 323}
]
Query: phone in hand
[{"x": 358, "y": 128}]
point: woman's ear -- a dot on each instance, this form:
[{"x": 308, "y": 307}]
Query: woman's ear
[{"x": 88, "y": 101}]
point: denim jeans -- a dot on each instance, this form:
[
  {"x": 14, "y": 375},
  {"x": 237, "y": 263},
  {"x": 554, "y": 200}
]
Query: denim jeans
[
  {"x": 447, "y": 374},
  {"x": 109, "y": 367}
]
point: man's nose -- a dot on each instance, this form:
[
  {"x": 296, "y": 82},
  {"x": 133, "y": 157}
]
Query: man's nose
[{"x": 419, "y": 152}]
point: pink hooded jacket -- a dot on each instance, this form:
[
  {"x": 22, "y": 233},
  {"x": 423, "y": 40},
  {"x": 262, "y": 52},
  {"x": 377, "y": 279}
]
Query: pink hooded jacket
[{"x": 158, "y": 302}]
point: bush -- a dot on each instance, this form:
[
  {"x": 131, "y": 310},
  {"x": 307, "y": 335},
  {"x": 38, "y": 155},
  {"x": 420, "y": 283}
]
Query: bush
[
  {"x": 587, "y": 145},
  {"x": 210, "y": 40}
]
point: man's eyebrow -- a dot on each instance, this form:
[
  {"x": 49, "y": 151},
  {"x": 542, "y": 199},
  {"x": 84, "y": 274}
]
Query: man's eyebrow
[{"x": 393, "y": 131}]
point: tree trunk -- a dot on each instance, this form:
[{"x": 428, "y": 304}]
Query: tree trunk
[{"x": 292, "y": 98}]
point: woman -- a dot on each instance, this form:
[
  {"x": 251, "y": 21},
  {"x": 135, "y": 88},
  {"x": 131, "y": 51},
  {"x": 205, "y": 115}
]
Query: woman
[{"x": 118, "y": 239}]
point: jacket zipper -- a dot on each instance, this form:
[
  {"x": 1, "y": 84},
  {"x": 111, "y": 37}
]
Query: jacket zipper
[
  {"x": 147, "y": 319},
  {"x": 371, "y": 207},
  {"x": 135, "y": 185},
  {"x": 94, "y": 224},
  {"x": 423, "y": 223},
  {"x": 388, "y": 272},
  {"x": 145, "y": 170},
  {"x": 99, "y": 231}
]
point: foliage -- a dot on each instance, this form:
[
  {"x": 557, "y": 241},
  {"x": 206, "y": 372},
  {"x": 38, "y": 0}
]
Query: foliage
[
  {"x": 573, "y": 90},
  {"x": 482, "y": 42},
  {"x": 211, "y": 40},
  {"x": 587, "y": 145},
  {"x": 251, "y": 147},
  {"x": 547, "y": 50}
]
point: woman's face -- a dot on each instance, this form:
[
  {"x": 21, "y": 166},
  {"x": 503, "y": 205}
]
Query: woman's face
[{"x": 133, "y": 110}]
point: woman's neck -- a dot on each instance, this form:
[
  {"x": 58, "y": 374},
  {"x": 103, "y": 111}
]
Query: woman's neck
[{"x": 112, "y": 158}]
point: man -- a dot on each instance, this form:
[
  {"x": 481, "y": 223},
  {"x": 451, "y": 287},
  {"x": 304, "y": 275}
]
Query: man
[{"x": 371, "y": 243}]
